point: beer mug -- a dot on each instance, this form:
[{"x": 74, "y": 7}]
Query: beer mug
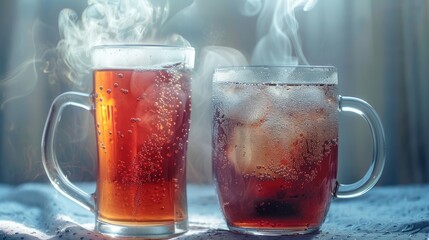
[
  {"x": 141, "y": 104},
  {"x": 275, "y": 147}
]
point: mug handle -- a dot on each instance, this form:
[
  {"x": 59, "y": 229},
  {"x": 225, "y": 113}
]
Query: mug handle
[
  {"x": 362, "y": 108},
  {"x": 56, "y": 176}
]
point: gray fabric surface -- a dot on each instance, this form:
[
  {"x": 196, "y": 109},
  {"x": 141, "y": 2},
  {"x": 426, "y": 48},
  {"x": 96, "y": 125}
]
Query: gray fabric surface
[{"x": 37, "y": 211}]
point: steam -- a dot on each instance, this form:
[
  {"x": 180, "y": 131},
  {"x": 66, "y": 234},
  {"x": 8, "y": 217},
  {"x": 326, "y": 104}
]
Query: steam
[
  {"x": 199, "y": 150},
  {"x": 140, "y": 21},
  {"x": 108, "y": 22},
  {"x": 18, "y": 84},
  {"x": 278, "y": 44},
  {"x": 21, "y": 81},
  {"x": 277, "y": 31}
]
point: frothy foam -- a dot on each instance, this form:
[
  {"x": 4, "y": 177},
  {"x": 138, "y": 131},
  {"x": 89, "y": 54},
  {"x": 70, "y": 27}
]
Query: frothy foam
[{"x": 140, "y": 56}]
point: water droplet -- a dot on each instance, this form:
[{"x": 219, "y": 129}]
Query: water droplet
[
  {"x": 124, "y": 91},
  {"x": 101, "y": 87},
  {"x": 115, "y": 85},
  {"x": 108, "y": 91},
  {"x": 120, "y": 75},
  {"x": 130, "y": 131}
]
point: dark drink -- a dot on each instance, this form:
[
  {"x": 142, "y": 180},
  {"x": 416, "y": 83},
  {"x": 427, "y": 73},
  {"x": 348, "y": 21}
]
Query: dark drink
[
  {"x": 142, "y": 120},
  {"x": 275, "y": 154}
]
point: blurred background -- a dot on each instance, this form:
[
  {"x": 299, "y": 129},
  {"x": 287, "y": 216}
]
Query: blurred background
[{"x": 380, "y": 48}]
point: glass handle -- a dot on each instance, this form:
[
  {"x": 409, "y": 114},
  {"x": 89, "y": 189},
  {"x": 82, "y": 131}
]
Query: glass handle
[
  {"x": 49, "y": 158},
  {"x": 362, "y": 108}
]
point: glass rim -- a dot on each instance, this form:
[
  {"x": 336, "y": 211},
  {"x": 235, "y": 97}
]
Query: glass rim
[
  {"x": 276, "y": 74},
  {"x": 140, "y": 56}
]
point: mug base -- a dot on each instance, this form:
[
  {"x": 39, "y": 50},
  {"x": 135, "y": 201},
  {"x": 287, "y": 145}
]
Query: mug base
[
  {"x": 273, "y": 232},
  {"x": 156, "y": 231}
]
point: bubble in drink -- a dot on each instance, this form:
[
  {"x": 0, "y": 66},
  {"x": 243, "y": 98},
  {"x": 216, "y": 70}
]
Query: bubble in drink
[{"x": 278, "y": 171}]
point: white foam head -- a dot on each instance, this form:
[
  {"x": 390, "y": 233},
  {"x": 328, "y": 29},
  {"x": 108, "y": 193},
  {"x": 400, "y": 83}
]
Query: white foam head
[{"x": 141, "y": 56}]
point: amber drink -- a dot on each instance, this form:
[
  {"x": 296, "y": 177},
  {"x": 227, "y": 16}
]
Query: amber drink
[
  {"x": 141, "y": 104},
  {"x": 142, "y": 121}
]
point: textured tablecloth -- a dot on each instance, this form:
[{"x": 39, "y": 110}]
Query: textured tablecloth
[{"x": 37, "y": 211}]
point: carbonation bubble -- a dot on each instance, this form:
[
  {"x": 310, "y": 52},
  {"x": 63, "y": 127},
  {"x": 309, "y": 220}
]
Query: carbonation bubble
[{"x": 134, "y": 120}]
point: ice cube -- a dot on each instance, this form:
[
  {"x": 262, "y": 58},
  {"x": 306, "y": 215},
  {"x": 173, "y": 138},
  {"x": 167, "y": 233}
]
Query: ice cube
[
  {"x": 244, "y": 103},
  {"x": 297, "y": 98},
  {"x": 304, "y": 105},
  {"x": 274, "y": 141},
  {"x": 282, "y": 143},
  {"x": 254, "y": 150}
]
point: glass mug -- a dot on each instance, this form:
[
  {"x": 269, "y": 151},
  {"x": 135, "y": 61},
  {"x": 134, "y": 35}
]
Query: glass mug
[
  {"x": 275, "y": 147},
  {"x": 141, "y": 103}
]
